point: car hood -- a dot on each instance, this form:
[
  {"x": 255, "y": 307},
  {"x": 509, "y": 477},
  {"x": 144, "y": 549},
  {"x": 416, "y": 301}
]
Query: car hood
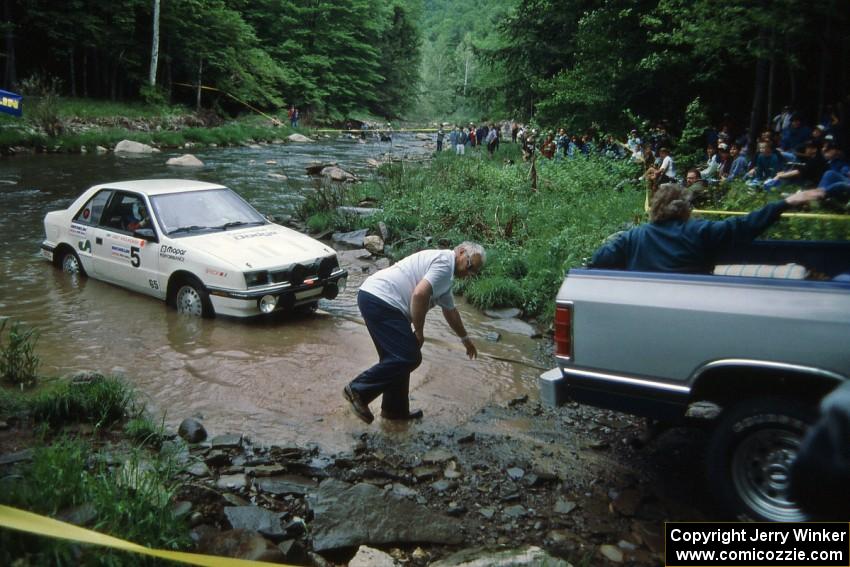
[{"x": 261, "y": 247}]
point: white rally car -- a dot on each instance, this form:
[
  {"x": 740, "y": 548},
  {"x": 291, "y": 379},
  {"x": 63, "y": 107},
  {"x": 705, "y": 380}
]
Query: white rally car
[{"x": 197, "y": 245}]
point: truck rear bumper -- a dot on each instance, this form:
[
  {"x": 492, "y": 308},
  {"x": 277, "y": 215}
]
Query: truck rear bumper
[{"x": 635, "y": 395}]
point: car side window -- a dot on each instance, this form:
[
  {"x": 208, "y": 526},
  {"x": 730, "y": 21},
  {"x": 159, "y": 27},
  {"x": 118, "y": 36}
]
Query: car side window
[
  {"x": 125, "y": 212},
  {"x": 91, "y": 212}
]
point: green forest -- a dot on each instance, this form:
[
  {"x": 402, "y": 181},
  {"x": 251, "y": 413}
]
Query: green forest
[{"x": 575, "y": 63}]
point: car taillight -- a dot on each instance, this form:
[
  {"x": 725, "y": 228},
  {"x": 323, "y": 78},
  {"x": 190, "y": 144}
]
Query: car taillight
[{"x": 564, "y": 331}]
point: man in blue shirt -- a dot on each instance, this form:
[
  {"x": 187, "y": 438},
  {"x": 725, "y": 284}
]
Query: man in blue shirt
[{"x": 674, "y": 242}]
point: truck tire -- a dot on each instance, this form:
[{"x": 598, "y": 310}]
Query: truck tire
[{"x": 750, "y": 454}]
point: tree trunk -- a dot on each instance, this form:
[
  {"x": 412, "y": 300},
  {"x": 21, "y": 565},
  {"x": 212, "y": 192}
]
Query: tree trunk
[
  {"x": 771, "y": 76},
  {"x": 824, "y": 65},
  {"x": 85, "y": 72},
  {"x": 9, "y": 75},
  {"x": 113, "y": 82},
  {"x": 169, "y": 81},
  {"x": 154, "y": 44},
  {"x": 792, "y": 78},
  {"x": 758, "y": 99},
  {"x": 198, "y": 94},
  {"x": 97, "y": 72},
  {"x": 466, "y": 73},
  {"x": 73, "y": 73}
]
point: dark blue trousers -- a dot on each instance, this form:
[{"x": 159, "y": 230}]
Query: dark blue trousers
[
  {"x": 398, "y": 353},
  {"x": 837, "y": 185}
]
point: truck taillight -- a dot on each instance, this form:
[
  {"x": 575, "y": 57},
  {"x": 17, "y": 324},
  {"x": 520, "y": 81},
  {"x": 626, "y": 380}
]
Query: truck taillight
[{"x": 564, "y": 331}]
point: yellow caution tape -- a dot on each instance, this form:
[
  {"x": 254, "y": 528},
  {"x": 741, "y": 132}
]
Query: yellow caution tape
[
  {"x": 15, "y": 519},
  {"x": 205, "y": 88},
  {"x": 821, "y": 216}
]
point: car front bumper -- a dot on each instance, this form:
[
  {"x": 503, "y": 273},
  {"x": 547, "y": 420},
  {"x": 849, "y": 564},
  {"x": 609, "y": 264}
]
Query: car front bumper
[{"x": 246, "y": 302}]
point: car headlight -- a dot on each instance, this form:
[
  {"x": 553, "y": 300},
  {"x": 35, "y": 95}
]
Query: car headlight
[
  {"x": 267, "y": 303},
  {"x": 256, "y": 278}
]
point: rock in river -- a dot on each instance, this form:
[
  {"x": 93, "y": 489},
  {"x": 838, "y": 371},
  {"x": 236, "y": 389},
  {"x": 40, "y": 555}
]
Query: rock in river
[
  {"x": 354, "y": 238},
  {"x": 299, "y": 138},
  {"x": 192, "y": 430},
  {"x": 346, "y": 515},
  {"x": 131, "y": 147},
  {"x": 186, "y": 160},
  {"x": 374, "y": 244},
  {"x": 337, "y": 174}
]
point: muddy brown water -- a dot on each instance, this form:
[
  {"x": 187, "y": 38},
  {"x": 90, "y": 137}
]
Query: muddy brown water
[{"x": 277, "y": 381}]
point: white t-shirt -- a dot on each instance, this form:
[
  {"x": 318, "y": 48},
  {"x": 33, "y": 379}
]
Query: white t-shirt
[
  {"x": 667, "y": 166},
  {"x": 395, "y": 284}
]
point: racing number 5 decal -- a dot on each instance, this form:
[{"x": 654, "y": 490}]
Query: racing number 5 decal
[{"x": 135, "y": 259}]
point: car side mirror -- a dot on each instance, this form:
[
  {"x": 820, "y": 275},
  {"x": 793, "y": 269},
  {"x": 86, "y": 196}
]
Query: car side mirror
[{"x": 145, "y": 233}]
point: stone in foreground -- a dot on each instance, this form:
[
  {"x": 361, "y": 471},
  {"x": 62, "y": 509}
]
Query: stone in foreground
[
  {"x": 347, "y": 515},
  {"x": 523, "y": 557}
]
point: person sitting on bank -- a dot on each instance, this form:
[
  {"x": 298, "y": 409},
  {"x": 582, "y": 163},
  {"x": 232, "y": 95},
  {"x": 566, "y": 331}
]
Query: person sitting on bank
[{"x": 674, "y": 242}]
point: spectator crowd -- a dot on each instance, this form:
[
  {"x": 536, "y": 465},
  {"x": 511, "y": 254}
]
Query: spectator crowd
[{"x": 789, "y": 153}]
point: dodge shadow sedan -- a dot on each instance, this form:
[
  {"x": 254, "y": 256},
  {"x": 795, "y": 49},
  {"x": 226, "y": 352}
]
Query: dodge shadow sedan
[{"x": 198, "y": 246}]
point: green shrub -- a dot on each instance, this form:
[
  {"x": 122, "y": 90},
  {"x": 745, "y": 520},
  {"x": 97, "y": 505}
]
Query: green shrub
[
  {"x": 131, "y": 500},
  {"x": 494, "y": 291},
  {"x": 18, "y": 361},
  {"x": 42, "y": 92},
  {"x": 100, "y": 401},
  {"x": 169, "y": 139},
  {"x": 319, "y": 222},
  {"x": 145, "y": 431}
]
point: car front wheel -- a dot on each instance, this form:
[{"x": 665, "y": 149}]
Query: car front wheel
[
  {"x": 750, "y": 455},
  {"x": 192, "y": 299}
]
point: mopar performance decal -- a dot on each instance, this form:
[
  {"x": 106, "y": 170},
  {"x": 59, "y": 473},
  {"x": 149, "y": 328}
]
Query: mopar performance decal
[
  {"x": 254, "y": 234},
  {"x": 172, "y": 253}
]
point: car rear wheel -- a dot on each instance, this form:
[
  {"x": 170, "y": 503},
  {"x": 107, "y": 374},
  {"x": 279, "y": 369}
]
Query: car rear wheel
[
  {"x": 192, "y": 299},
  {"x": 71, "y": 264},
  {"x": 750, "y": 455}
]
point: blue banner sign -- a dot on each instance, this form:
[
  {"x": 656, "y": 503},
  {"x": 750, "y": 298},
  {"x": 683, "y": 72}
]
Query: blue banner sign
[{"x": 11, "y": 103}]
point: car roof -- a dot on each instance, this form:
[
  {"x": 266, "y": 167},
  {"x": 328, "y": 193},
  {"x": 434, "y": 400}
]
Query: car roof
[{"x": 159, "y": 186}]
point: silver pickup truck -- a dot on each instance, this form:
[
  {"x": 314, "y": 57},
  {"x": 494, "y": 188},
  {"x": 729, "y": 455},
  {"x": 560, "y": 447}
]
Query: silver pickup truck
[{"x": 764, "y": 350}]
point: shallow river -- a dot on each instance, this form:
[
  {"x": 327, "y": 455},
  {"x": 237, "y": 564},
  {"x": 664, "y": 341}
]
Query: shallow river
[{"x": 276, "y": 381}]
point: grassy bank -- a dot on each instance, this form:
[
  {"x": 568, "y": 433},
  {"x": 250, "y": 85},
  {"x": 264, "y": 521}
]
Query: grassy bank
[
  {"x": 87, "y": 453},
  {"x": 75, "y": 125},
  {"x": 532, "y": 236}
]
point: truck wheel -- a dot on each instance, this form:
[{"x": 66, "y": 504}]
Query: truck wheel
[
  {"x": 192, "y": 299},
  {"x": 750, "y": 454}
]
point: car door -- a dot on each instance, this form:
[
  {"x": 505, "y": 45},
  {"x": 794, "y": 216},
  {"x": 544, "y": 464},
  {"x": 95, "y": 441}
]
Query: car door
[
  {"x": 84, "y": 226},
  {"x": 121, "y": 255}
]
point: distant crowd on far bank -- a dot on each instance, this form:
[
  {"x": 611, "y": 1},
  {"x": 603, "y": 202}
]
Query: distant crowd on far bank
[{"x": 787, "y": 154}]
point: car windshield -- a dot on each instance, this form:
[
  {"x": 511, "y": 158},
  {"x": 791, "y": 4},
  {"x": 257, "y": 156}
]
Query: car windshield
[{"x": 202, "y": 211}]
